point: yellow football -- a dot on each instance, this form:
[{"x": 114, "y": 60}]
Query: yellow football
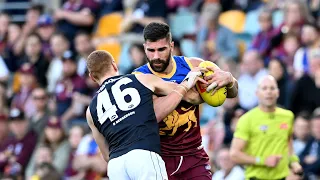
[{"x": 218, "y": 98}]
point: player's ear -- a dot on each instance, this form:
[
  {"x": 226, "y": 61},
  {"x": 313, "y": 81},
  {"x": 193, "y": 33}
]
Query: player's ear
[
  {"x": 114, "y": 66},
  {"x": 92, "y": 78},
  {"x": 172, "y": 44},
  {"x": 144, "y": 46}
]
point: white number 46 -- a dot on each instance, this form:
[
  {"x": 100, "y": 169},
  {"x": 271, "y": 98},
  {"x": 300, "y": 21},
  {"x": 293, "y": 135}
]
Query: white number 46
[{"x": 104, "y": 102}]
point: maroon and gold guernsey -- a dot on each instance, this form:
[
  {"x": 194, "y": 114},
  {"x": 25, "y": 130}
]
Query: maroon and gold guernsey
[{"x": 180, "y": 131}]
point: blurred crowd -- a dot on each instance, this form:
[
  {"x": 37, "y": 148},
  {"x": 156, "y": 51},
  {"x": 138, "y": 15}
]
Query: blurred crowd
[{"x": 45, "y": 88}]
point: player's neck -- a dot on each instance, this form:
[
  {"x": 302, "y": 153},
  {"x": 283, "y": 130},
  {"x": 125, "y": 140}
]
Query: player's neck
[
  {"x": 107, "y": 76},
  {"x": 267, "y": 109},
  {"x": 169, "y": 68}
]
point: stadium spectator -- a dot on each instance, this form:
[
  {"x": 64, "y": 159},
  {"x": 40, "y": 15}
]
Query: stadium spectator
[
  {"x": 53, "y": 137},
  {"x": 4, "y": 131},
  {"x": 278, "y": 70},
  {"x": 228, "y": 169},
  {"x": 262, "y": 40},
  {"x": 46, "y": 171},
  {"x": 43, "y": 154},
  {"x": 83, "y": 47},
  {"x": 3, "y": 99},
  {"x": 215, "y": 41},
  {"x": 310, "y": 39},
  {"x": 301, "y": 132},
  {"x": 306, "y": 95},
  {"x": 89, "y": 159},
  {"x": 30, "y": 25},
  {"x": 295, "y": 15},
  {"x": 310, "y": 157},
  {"x": 46, "y": 28},
  {"x": 4, "y": 25},
  {"x": 70, "y": 83},
  {"x": 34, "y": 56},
  {"x": 38, "y": 120},
  {"x": 75, "y": 135},
  {"x": 137, "y": 56},
  {"x": 16, "y": 151},
  {"x": 143, "y": 13},
  {"x": 60, "y": 45},
  {"x": 14, "y": 32},
  {"x": 252, "y": 72},
  {"x": 27, "y": 81},
  {"x": 75, "y": 15},
  {"x": 286, "y": 52}
]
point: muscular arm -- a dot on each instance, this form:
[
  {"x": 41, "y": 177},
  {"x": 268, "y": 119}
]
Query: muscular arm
[
  {"x": 98, "y": 137},
  {"x": 232, "y": 91},
  {"x": 237, "y": 154},
  {"x": 164, "y": 105}
]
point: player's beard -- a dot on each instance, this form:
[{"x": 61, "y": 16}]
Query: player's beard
[{"x": 160, "y": 65}]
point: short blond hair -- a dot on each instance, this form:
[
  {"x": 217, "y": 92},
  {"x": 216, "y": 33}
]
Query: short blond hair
[{"x": 98, "y": 63}]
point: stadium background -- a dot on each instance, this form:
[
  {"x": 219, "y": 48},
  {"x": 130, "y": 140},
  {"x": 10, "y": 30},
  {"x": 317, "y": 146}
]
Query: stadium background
[{"x": 43, "y": 46}]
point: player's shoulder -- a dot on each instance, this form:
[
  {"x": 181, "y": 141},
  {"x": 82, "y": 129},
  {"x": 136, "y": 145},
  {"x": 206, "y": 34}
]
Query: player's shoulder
[
  {"x": 142, "y": 70},
  {"x": 195, "y": 61},
  {"x": 285, "y": 112}
]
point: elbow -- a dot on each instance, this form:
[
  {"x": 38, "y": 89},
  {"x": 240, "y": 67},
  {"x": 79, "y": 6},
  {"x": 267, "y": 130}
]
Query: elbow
[
  {"x": 159, "y": 117},
  {"x": 233, "y": 155}
]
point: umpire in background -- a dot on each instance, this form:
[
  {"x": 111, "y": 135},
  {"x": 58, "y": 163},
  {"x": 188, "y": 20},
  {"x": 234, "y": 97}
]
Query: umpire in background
[{"x": 263, "y": 138}]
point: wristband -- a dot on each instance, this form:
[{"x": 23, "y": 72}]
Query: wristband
[
  {"x": 259, "y": 161},
  {"x": 294, "y": 158},
  {"x": 178, "y": 93},
  {"x": 183, "y": 87}
]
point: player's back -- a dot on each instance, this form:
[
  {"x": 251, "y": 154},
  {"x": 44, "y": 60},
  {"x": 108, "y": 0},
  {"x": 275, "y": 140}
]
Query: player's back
[{"x": 122, "y": 111}]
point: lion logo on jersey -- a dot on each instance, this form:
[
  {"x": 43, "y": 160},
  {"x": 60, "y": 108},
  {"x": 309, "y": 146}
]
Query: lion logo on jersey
[{"x": 175, "y": 120}]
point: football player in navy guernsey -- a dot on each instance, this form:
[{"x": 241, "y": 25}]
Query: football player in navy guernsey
[{"x": 122, "y": 118}]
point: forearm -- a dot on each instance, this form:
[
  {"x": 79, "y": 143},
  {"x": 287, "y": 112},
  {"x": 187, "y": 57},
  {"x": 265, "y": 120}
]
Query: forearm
[
  {"x": 163, "y": 106},
  {"x": 79, "y": 18},
  {"x": 69, "y": 114},
  {"x": 232, "y": 89},
  {"x": 240, "y": 157},
  {"x": 193, "y": 97}
]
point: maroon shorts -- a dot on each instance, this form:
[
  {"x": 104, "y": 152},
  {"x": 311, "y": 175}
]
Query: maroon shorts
[{"x": 188, "y": 167}]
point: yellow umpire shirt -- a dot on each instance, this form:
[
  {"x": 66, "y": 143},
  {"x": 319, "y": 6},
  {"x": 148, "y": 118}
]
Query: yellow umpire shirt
[{"x": 266, "y": 134}]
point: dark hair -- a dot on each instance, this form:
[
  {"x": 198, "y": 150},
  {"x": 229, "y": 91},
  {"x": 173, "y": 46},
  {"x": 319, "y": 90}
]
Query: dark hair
[
  {"x": 304, "y": 115},
  {"x": 50, "y": 172},
  {"x": 315, "y": 117},
  {"x": 138, "y": 46},
  {"x": 80, "y": 33},
  {"x": 37, "y": 7},
  {"x": 60, "y": 34},
  {"x": 156, "y": 31},
  {"x": 313, "y": 25},
  {"x": 36, "y": 35}
]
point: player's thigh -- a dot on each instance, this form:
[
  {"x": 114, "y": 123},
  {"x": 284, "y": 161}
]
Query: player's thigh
[
  {"x": 116, "y": 169},
  {"x": 145, "y": 165},
  {"x": 201, "y": 172}
]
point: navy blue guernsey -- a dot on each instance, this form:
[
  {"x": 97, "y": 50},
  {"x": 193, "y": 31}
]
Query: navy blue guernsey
[{"x": 122, "y": 110}]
